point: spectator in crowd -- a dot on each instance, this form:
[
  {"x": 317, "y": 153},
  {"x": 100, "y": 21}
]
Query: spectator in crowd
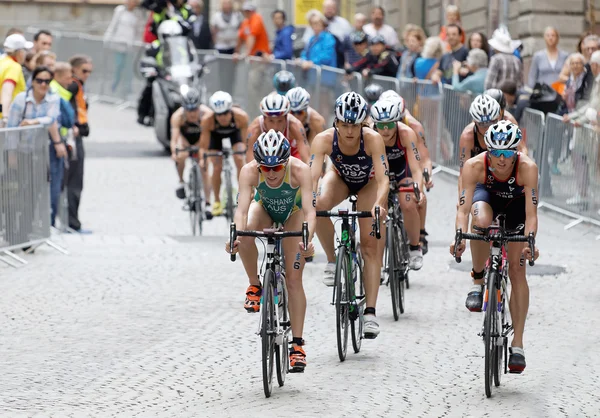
[
  {"x": 427, "y": 64},
  {"x": 63, "y": 76},
  {"x": 579, "y": 116},
  {"x": 360, "y": 47},
  {"x": 588, "y": 43},
  {"x": 224, "y": 26},
  {"x": 118, "y": 38},
  {"x": 11, "y": 31},
  {"x": 82, "y": 68},
  {"x": 579, "y": 86},
  {"x": 516, "y": 101},
  {"x": 480, "y": 41},
  {"x": 458, "y": 53},
  {"x": 504, "y": 65},
  {"x": 337, "y": 26},
  {"x": 252, "y": 33},
  {"x": 28, "y": 65},
  {"x": 379, "y": 61},
  {"x": 547, "y": 64},
  {"x": 318, "y": 50},
  {"x": 41, "y": 59},
  {"x": 452, "y": 18},
  {"x": 12, "y": 80},
  {"x": 42, "y": 41},
  {"x": 414, "y": 37},
  {"x": 200, "y": 33},
  {"x": 477, "y": 62},
  {"x": 377, "y": 27},
  {"x": 284, "y": 37},
  {"x": 351, "y": 55}
]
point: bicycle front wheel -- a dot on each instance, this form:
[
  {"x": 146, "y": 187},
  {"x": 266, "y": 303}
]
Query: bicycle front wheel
[
  {"x": 267, "y": 332},
  {"x": 193, "y": 200},
  {"x": 392, "y": 271},
  {"x": 229, "y": 187},
  {"x": 490, "y": 334},
  {"x": 342, "y": 302},
  {"x": 356, "y": 325},
  {"x": 282, "y": 359}
]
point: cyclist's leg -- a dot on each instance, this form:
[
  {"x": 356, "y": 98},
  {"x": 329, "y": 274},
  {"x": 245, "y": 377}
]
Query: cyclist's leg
[
  {"x": 180, "y": 166},
  {"x": 216, "y": 145},
  {"x": 332, "y": 191},
  {"x": 239, "y": 160},
  {"x": 412, "y": 223},
  {"x": 294, "y": 266},
  {"x": 422, "y": 207},
  {"x": 482, "y": 215}
]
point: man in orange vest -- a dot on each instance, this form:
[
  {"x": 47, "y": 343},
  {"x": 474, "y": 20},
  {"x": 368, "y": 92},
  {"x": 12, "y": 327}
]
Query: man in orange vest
[{"x": 82, "y": 68}]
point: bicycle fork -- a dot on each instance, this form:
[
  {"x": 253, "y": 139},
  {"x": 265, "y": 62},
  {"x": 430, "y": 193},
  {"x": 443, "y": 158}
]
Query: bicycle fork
[{"x": 497, "y": 266}]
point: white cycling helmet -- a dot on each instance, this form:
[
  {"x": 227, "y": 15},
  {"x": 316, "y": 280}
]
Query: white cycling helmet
[
  {"x": 220, "y": 102},
  {"x": 271, "y": 148},
  {"x": 169, "y": 28},
  {"x": 388, "y": 94},
  {"x": 385, "y": 111},
  {"x": 299, "y": 99},
  {"x": 484, "y": 109},
  {"x": 351, "y": 108},
  {"x": 399, "y": 100},
  {"x": 274, "y": 105},
  {"x": 503, "y": 135}
]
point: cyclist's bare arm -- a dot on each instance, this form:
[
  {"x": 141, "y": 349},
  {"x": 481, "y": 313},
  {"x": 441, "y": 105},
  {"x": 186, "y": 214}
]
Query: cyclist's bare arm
[
  {"x": 321, "y": 146},
  {"x": 302, "y": 177},
  {"x": 241, "y": 119},
  {"x": 248, "y": 180},
  {"x": 207, "y": 124},
  {"x": 375, "y": 147},
  {"x": 528, "y": 174},
  {"x": 473, "y": 170},
  {"x": 522, "y": 146},
  {"x": 317, "y": 125},
  {"x": 508, "y": 116},
  {"x": 409, "y": 141},
  {"x": 176, "y": 127},
  {"x": 298, "y": 133},
  {"x": 254, "y": 132},
  {"x": 465, "y": 146},
  {"x": 421, "y": 142}
]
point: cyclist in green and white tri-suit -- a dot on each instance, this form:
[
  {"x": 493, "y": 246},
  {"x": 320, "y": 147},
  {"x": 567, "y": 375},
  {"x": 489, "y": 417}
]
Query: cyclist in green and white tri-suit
[{"x": 284, "y": 197}]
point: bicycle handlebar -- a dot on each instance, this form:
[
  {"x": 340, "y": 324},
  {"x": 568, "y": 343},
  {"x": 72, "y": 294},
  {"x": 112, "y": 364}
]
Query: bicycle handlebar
[
  {"x": 500, "y": 235},
  {"x": 426, "y": 177},
  {"x": 406, "y": 189},
  {"x": 345, "y": 213},
  {"x": 267, "y": 233},
  {"x": 223, "y": 153},
  {"x": 191, "y": 149}
]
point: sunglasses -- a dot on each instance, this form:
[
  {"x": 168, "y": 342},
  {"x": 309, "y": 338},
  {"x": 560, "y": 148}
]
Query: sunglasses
[
  {"x": 276, "y": 114},
  {"x": 507, "y": 153},
  {"x": 384, "y": 125},
  {"x": 298, "y": 112},
  {"x": 43, "y": 80},
  {"x": 266, "y": 168}
]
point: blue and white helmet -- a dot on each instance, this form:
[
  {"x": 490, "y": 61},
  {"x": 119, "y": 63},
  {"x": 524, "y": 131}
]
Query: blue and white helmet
[
  {"x": 351, "y": 108},
  {"x": 271, "y": 148},
  {"x": 484, "y": 109},
  {"x": 299, "y": 99},
  {"x": 386, "y": 111},
  {"x": 503, "y": 135},
  {"x": 220, "y": 102},
  {"x": 274, "y": 105}
]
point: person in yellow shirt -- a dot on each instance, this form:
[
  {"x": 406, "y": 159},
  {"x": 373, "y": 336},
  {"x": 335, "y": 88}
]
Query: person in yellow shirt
[{"x": 12, "y": 80}]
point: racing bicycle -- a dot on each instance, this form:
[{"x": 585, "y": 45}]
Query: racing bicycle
[
  {"x": 496, "y": 322},
  {"x": 274, "y": 327},
  {"x": 196, "y": 201},
  {"x": 227, "y": 170}
]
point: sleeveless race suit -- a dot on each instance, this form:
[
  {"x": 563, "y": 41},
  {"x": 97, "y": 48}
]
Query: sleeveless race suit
[
  {"x": 294, "y": 146},
  {"x": 355, "y": 170},
  {"x": 504, "y": 196},
  {"x": 397, "y": 159},
  {"x": 477, "y": 149},
  {"x": 279, "y": 202},
  {"x": 230, "y": 131},
  {"x": 191, "y": 132}
]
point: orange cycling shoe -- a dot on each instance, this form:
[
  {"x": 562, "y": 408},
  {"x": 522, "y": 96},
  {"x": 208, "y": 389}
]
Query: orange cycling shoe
[
  {"x": 252, "y": 303},
  {"x": 297, "y": 359}
]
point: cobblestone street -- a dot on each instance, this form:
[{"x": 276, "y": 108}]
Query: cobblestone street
[{"x": 140, "y": 319}]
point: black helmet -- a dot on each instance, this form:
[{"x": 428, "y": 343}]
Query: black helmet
[
  {"x": 283, "y": 81},
  {"x": 372, "y": 92},
  {"x": 190, "y": 98},
  {"x": 498, "y": 96}
]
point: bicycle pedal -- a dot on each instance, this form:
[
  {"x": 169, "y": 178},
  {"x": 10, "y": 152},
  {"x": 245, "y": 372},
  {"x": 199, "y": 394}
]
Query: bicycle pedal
[{"x": 367, "y": 336}]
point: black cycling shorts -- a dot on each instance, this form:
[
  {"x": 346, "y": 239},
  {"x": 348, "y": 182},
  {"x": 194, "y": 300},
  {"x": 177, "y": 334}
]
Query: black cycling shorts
[
  {"x": 514, "y": 209},
  {"x": 216, "y": 140}
]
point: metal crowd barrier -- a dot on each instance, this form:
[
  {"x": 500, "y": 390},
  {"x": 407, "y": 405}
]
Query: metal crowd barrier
[{"x": 24, "y": 189}]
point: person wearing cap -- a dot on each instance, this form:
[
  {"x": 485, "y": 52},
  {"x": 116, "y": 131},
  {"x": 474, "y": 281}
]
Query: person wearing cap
[
  {"x": 379, "y": 60},
  {"x": 359, "y": 48},
  {"x": 12, "y": 80},
  {"x": 504, "y": 65},
  {"x": 252, "y": 33}
]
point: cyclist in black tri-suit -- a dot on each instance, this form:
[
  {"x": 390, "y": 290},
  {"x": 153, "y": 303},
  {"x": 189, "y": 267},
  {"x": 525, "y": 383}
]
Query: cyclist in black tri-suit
[
  {"x": 223, "y": 120},
  {"x": 358, "y": 156},
  {"x": 501, "y": 180},
  {"x": 185, "y": 132}
]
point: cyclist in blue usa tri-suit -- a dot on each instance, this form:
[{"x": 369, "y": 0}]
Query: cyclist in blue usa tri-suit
[{"x": 501, "y": 180}]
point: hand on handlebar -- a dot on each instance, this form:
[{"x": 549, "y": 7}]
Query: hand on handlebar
[
  {"x": 236, "y": 247},
  {"x": 309, "y": 252},
  {"x": 458, "y": 250},
  {"x": 382, "y": 211},
  {"x": 526, "y": 253}
]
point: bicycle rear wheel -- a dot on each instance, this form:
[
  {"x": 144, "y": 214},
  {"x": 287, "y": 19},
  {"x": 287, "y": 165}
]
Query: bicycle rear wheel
[
  {"x": 341, "y": 302},
  {"x": 401, "y": 264},
  {"x": 267, "y": 332},
  {"x": 392, "y": 271},
  {"x": 356, "y": 325},
  {"x": 229, "y": 187},
  {"x": 500, "y": 353},
  {"x": 201, "y": 206},
  {"x": 282, "y": 359},
  {"x": 194, "y": 201},
  {"x": 490, "y": 333}
]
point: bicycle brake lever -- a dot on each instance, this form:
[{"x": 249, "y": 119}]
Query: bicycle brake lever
[
  {"x": 232, "y": 237},
  {"x": 457, "y": 241},
  {"x": 377, "y": 224},
  {"x": 532, "y": 248}
]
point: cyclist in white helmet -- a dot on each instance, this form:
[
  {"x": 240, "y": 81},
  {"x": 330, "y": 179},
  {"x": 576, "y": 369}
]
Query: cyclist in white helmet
[
  {"x": 501, "y": 180},
  {"x": 281, "y": 193},
  {"x": 426, "y": 162},
  {"x": 223, "y": 120},
  {"x": 275, "y": 114},
  {"x": 185, "y": 131},
  {"x": 300, "y": 107},
  {"x": 360, "y": 167},
  {"x": 405, "y": 167}
]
